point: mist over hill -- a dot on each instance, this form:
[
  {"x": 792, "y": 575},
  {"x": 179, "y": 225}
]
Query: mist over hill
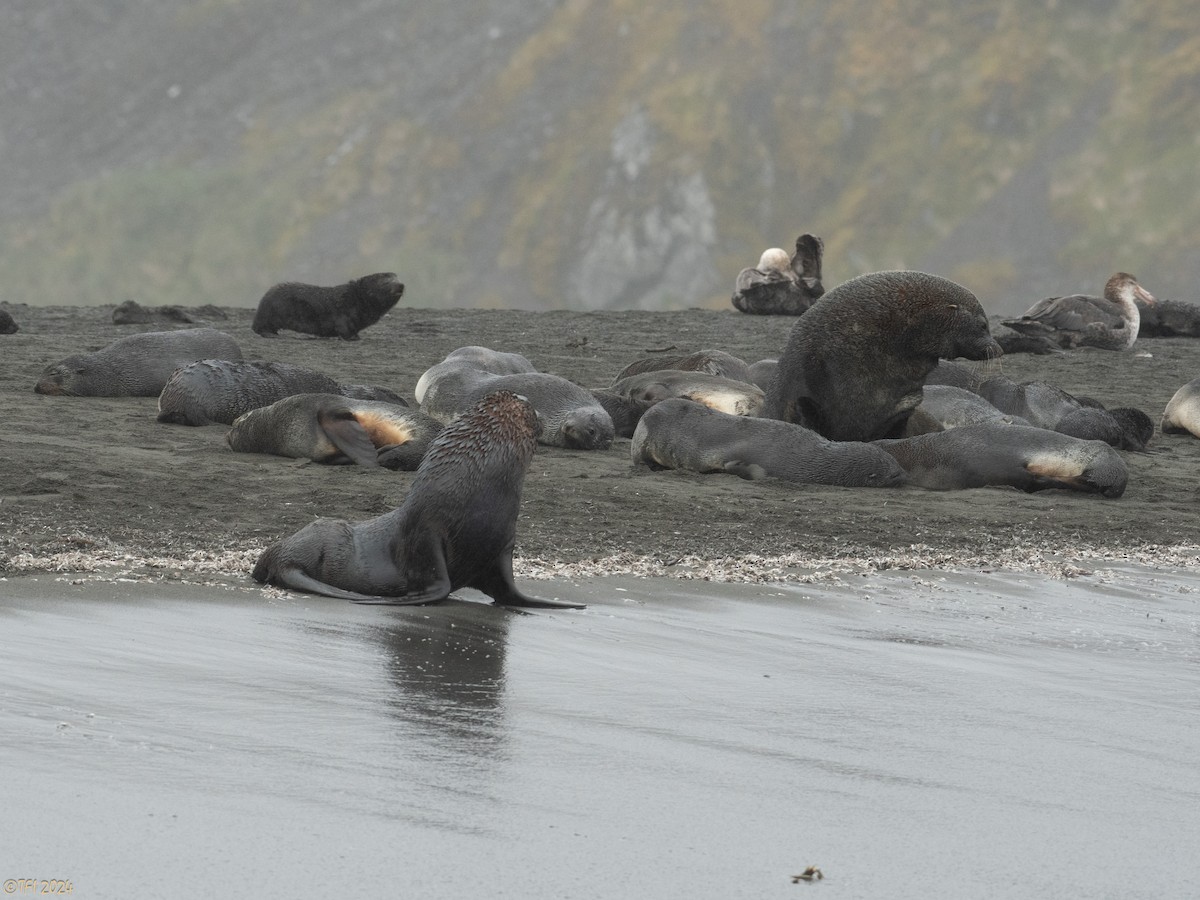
[{"x": 566, "y": 153}]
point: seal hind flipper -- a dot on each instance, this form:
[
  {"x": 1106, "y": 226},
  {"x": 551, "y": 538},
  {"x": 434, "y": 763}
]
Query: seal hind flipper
[
  {"x": 741, "y": 469},
  {"x": 345, "y": 433},
  {"x": 497, "y": 582}
]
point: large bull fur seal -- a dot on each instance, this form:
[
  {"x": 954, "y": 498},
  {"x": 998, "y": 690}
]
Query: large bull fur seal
[
  {"x": 1020, "y": 456},
  {"x": 855, "y": 363},
  {"x": 330, "y": 428},
  {"x": 455, "y": 528},
  {"x": 339, "y": 311},
  {"x": 682, "y": 434},
  {"x": 211, "y": 391},
  {"x": 135, "y": 366}
]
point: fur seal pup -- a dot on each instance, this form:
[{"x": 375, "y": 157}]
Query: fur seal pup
[
  {"x": 494, "y": 362},
  {"x": 855, "y": 363},
  {"x": 211, "y": 391},
  {"x": 1125, "y": 428},
  {"x": 571, "y": 416},
  {"x": 1110, "y": 322},
  {"x": 624, "y": 411},
  {"x": 739, "y": 398},
  {"x": 138, "y": 365},
  {"x": 330, "y": 428},
  {"x": 711, "y": 362},
  {"x": 779, "y": 285},
  {"x": 8, "y": 325},
  {"x": 339, "y": 311},
  {"x": 682, "y": 434},
  {"x": 1182, "y": 413},
  {"x": 455, "y": 528},
  {"x": 987, "y": 454}
]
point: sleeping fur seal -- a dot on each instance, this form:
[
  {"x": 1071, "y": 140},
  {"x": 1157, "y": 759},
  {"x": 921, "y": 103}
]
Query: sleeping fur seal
[
  {"x": 739, "y": 398},
  {"x": 494, "y": 362},
  {"x": 211, "y": 391},
  {"x": 855, "y": 363},
  {"x": 682, "y": 434},
  {"x": 135, "y": 366},
  {"x": 989, "y": 454},
  {"x": 330, "y": 428},
  {"x": 711, "y": 362},
  {"x": 455, "y": 528},
  {"x": 339, "y": 311}
]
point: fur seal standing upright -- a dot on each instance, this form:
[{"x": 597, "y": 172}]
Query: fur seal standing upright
[
  {"x": 571, "y": 416},
  {"x": 988, "y": 454},
  {"x": 855, "y": 363},
  {"x": 710, "y": 362},
  {"x": 739, "y": 398},
  {"x": 779, "y": 285},
  {"x": 1110, "y": 322},
  {"x": 681, "y": 434},
  {"x": 1182, "y": 414},
  {"x": 494, "y": 362},
  {"x": 330, "y": 428},
  {"x": 211, "y": 391},
  {"x": 456, "y": 527},
  {"x": 135, "y": 366},
  {"x": 340, "y": 311},
  {"x": 8, "y": 325}
]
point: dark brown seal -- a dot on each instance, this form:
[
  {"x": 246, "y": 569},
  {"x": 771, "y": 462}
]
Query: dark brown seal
[
  {"x": 455, "y": 528},
  {"x": 339, "y": 311},
  {"x": 7, "y": 324},
  {"x": 856, "y": 362}
]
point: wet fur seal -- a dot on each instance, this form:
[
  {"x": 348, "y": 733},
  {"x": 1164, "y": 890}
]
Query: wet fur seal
[
  {"x": 1027, "y": 458},
  {"x": 456, "y": 527},
  {"x": 711, "y": 362},
  {"x": 1182, "y": 413},
  {"x": 339, "y": 311},
  {"x": 855, "y": 363},
  {"x": 494, "y": 362},
  {"x": 682, "y": 434},
  {"x": 211, "y": 391},
  {"x": 571, "y": 416},
  {"x": 781, "y": 285},
  {"x": 138, "y": 365},
  {"x": 330, "y": 428}
]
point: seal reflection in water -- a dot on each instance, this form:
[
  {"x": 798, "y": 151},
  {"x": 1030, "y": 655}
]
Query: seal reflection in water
[{"x": 455, "y": 528}]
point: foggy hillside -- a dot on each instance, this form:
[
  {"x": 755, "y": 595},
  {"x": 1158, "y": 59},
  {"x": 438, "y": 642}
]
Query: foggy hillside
[{"x": 566, "y": 153}]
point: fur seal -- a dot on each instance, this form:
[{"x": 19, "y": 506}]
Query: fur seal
[
  {"x": 138, "y": 365},
  {"x": 682, "y": 434},
  {"x": 8, "y": 325},
  {"x": 1110, "y": 322},
  {"x": 779, "y": 285},
  {"x": 330, "y": 428},
  {"x": 988, "y": 454},
  {"x": 571, "y": 416},
  {"x": 624, "y": 411},
  {"x": 954, "y": 407},
  {"x": 133, "y": 313},
  {"x": 211, "y": 391},
  {"x": 855, "y": 363},
  {"x": 339, "y": 311},
  {"x": 456, "y": 527},
  {"x": 1182, "y": 414},
  {"x": 494, "y": 362},
  {"x": 763, "y": 372},
  {"x": 739, "y": 398},
  {"x": 1125, "y": 428},
  {"x": 711, "y": 362},
  {"x": 1169, "y": 318}
]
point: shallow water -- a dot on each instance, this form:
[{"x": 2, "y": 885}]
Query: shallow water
[{"x": 913, "y": 735}]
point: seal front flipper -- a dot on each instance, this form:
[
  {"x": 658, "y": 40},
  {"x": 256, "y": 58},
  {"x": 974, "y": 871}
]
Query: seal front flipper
[
  {"x": 345, "y": 433},
  {"x": 497, "y": 582}
]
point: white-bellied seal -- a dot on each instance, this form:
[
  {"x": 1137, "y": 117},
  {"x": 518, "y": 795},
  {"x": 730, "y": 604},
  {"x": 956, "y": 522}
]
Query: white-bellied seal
[
  {"x": 494, "y": 362},
  {"x": 571, "y": 416},
  {"x": 211, "y": 391},
  {"x": 339, "y": 311},
  {"x": 711, "y": 362},
  {"x": 455, "y": 528},
  {"x": 1110, "y": 322},
  {"x": 739, "y": 398},
  {"x": 682, "y": 434},
  {"x": 855, "y": 363},
  {"x": 781, "y": 285},
  {"x": 331, "y": 428},
  {"x": 1182, "y": 413},
  {"x": 135, "y": 366},
  {"x": 989, "y": 454}
]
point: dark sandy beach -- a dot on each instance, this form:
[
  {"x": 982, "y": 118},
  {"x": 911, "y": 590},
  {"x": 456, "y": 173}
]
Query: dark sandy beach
[{"x": 87, "y": 480}]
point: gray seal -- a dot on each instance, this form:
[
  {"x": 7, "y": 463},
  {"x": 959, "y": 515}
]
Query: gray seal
[
  {"x": 855, "y": 363},
  {"x": 330, "y": 428},
  {"x": 711, "y": 362},
  {"x": 494, "y": 362},
  {"x": 1027, "y": 458},
  {"x": 954, "y": 407},
  {"x": 342, "y": 310},
  {"x": 456, "y": 527},
  {"x": 571, "y": 416},
  {"x": 138, "y": 365},
  {"x": 739, "y": 398},
  {"x": 781, "y": 285},
  {"x": 211, "y": 391},
  {"x": 682, "y": 434}
]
